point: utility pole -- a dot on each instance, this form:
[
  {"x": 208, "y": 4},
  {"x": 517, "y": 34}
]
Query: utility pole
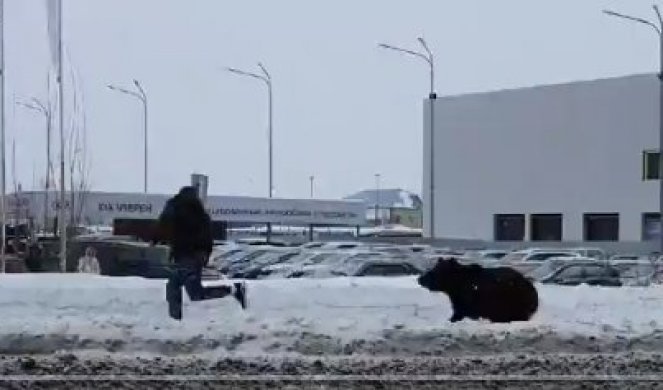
[
  {"x": 142, "y": 96},
  {"x": 266, "y": 78},
  {"x": 311, "y": 178},
  {"x": 54, "y": 12},
  {"x": 38, "y": 106},
  {"x": 377, "y": 200},
  {"x": 3, "y": 178},
  {"x": 432, "y": 96},
  {"x": 62, "y": 218}
]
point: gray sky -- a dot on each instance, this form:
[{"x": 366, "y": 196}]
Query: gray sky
[{"x": 344, "y": 110}]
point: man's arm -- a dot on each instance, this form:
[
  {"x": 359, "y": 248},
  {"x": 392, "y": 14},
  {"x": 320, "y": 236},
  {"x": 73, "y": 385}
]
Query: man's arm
[
  {"x": 164, "y": 227},
  {"x": 208, "y": 236}
]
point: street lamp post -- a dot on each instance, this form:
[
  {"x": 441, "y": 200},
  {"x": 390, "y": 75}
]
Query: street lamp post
[
  {"x": 659, "y": 31},
  {"x": 427, "y": 56},
  {"x": 3, "y": 189},
  {"x": 311, "y": 179},
  {"x": 377, "y": 200},
  {"x": 142, "y": 96},
  {"x": 36, "y": 105},
  {"x": 267, "y": 79}
]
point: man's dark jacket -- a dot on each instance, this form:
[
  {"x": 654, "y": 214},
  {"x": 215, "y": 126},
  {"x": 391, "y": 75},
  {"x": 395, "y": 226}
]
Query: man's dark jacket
[{"x": 186, "y": 227}]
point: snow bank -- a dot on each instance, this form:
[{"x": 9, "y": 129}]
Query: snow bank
[{"x": 47, "y": 312}]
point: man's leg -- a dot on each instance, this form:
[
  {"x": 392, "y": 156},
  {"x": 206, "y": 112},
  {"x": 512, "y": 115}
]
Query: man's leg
[
  {"x": 196, "y": 291},
  {"x": 174, "y": 294}
]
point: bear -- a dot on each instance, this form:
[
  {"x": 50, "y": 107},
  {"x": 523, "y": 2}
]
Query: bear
[{"x": 499, "y": 294}]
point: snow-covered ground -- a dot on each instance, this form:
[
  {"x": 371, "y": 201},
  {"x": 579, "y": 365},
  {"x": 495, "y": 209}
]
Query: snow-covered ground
[{"x": 377, "y": 316}]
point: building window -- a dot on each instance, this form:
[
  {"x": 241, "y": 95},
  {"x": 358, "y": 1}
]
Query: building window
[
  {"x": 651, "y": 226},
  {"x": 509, "y": 227},
  {"x": 546, "y": 227},
  {"x": 601, "y": 227},
  {"x": 651, "y": 165}
]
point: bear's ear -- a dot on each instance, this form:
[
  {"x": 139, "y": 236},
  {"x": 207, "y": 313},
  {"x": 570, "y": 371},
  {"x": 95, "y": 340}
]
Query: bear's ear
[{"x": 448, "y": 261}]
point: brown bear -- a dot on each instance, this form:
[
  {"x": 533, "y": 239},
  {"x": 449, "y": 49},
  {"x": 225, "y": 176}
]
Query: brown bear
[{"x": 499, "y": 294}]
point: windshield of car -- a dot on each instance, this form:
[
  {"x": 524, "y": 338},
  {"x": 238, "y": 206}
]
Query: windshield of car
[
  {"x": 494, "y": 255},
  {"x": 547, "y": 255},
  {"x": 319, "y": 258},
  {"x": 254, "y": 255},
  {"x": 514, "y": 256},
  {"x": 573, "y": 271},
  {"x": 384, "y": 269},
  {"x": 229, "y": 253}
]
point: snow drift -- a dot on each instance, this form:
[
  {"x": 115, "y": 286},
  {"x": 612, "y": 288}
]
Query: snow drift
[{"x": 42, "y": 313}]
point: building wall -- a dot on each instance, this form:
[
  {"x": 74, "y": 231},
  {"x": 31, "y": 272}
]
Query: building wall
[
  {"x": 406, "y": 217},
  {"x": 571, "y": 148}
]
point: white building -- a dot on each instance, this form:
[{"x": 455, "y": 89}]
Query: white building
[{"x": 568, "y": 162}]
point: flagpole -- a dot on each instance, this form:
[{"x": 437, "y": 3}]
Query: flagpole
[
  {"x": 62, "y": 220},
  {"x": 3, "y": 189}
]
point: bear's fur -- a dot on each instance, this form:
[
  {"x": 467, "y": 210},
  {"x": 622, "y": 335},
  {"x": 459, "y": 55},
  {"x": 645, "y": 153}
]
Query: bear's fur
[{"x": 499, "y": 294}]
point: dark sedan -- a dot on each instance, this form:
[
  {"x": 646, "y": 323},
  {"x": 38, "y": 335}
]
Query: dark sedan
[{"x": 591, "y": 274}]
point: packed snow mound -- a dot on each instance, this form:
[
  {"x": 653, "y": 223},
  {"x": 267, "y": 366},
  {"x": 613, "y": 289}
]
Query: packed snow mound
[{"x": 378, "y": 316}]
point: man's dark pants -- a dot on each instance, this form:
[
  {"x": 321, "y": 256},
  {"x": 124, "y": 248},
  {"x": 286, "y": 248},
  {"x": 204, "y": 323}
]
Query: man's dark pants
[{"x": 187, "y": 272}]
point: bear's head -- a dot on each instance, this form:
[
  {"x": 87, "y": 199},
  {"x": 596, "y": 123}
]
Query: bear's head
[{"x": 442, "y": 276}]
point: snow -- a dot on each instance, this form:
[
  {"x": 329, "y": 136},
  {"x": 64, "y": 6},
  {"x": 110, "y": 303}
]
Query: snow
[
  {"x": 86, "y": 311},
  {"x": 406, "y": 200},
  {"x": 389, "y": 229}
]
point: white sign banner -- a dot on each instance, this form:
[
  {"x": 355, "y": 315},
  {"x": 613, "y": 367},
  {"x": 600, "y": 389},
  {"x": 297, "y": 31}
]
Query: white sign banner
[{"x": 102, "y": 208}]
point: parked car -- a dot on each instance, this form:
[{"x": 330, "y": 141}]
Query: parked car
[
  {"x": 625, "y": 257},
  {"x": 261, "y": 242},
  {"x": 551, "y": 265},
  {"x": 254, "y": 269},
  {"x": 637, "y": 272},
  {"x": 528, "y": 260},
  {"x": 342, "y": 245},
  {"x": 594, "y": 253},
  {"x": 378, "y": 268},
  {"x": 282, "y": 270},
  {"x": 598, "y": 274},
  {"x": 242, "y": 259},
  {"x": 375, "y": 267},
  {"x": 393, "y": 250},
  {"x": 220, "y": 256},
  {"x": 540, "y": 255},
  {"x": 324, "y": 268},
  {"x": 312, "y": 245},
  {"x": 486, "y": 254}
]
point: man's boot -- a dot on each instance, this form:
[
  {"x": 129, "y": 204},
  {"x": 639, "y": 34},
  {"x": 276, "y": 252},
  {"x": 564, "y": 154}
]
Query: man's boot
[{"x": 240, "y": 294}]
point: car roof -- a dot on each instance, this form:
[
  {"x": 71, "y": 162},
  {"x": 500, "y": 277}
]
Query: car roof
[
  {"x": 545, "y": 251},
  {"x": 535, "y": 250}
]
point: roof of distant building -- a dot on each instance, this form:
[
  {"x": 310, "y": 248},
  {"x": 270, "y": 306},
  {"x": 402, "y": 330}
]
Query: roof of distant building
[{"x": 388, "y": 198}]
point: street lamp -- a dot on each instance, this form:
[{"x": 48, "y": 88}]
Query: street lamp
[
  {"x": 36, "y": 105},
  {"x": 658, "y": 28},
  {"x": 142, "y": 96},
  {"x": 427, "y": 56},
  {"x": 267, "y": 79},
  {"x": 377, "y": 199}
]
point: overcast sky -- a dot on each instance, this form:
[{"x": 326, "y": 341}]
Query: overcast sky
[{"x": 344, "y": 110}]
